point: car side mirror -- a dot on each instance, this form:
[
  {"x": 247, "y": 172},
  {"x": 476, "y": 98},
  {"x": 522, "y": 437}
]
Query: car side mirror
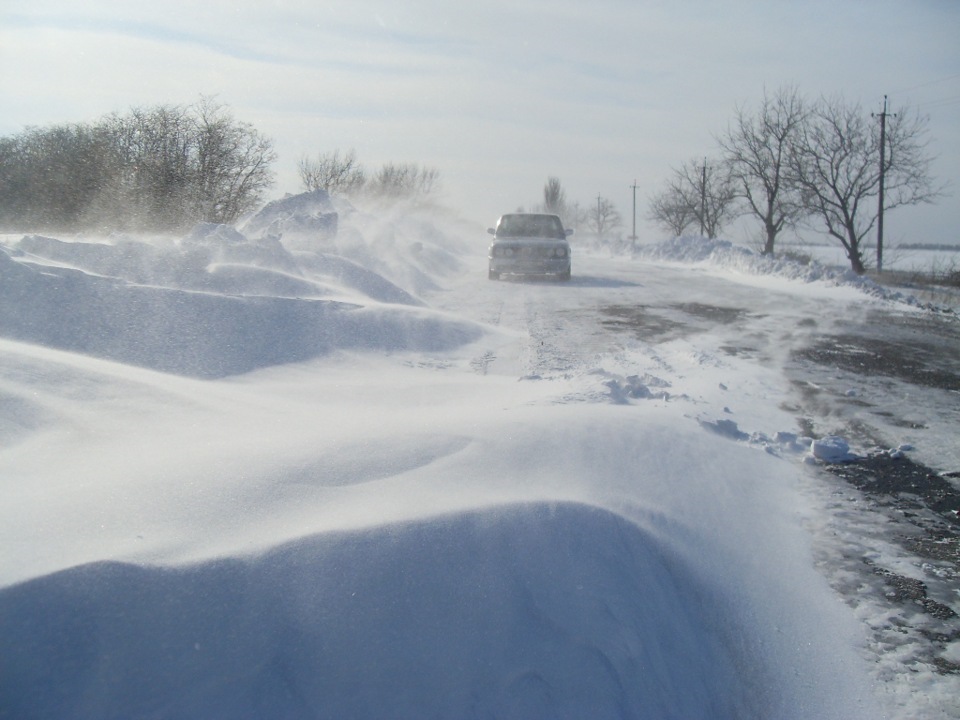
[
  {"x": 491, "y": 231},
  {"x": 569, "y": 232}
]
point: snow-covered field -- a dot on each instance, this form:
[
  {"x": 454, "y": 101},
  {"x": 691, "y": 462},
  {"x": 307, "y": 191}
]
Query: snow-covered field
[
  {"x": 254, "y": 473},
  {"x": 895, "y": 257}
]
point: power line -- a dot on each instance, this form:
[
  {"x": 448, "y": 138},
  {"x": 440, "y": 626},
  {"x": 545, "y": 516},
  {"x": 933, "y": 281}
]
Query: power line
[
  {"x": 926, "y": 84},
  {"x": 941, "y": 102}
]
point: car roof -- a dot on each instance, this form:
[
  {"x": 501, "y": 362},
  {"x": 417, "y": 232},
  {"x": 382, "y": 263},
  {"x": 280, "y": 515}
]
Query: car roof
[
  {"x": 530, "y": 215},
  {"x": 533, "y": 225}
]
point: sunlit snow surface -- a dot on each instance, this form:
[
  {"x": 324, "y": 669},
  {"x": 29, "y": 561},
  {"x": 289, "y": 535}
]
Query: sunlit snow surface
[{"x": 244, "y": 478}]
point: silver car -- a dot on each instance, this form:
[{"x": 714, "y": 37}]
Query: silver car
[{"x": 529, "y": 244}]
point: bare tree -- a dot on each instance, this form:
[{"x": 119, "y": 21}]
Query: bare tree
[
  {"x": 155, "y": 167},
  {"x": 333, "y": 173},
  {"x": 603, "y": 218},
  {"x": 404, "y": 180},
  {"x": 160, "y": 168},
  {"x": 757, "y": 150},
  {"x": 232, "y": 167},
  {"x": 835, "y": 162},
  {"x": 704, "y": 190},
  {"x": 555, "y": 202},
  {"x": 45, "y": 158},
  {"x": 669, "y": 209},
  {"x": 554, "y": 197},
  {"x": 50, "y": 176}
]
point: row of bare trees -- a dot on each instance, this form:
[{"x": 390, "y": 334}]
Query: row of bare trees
[
  {"x": 697, "y": 193},
  {"x": 600, "y": 218},
  {"x": 344, "y": 175},
  {"x": 793, "y": 162},
  {"x": 160, "y": 168}
]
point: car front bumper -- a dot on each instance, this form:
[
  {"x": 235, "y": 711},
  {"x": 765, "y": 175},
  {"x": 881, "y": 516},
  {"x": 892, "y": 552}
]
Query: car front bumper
[{"x": 525, "y": 266}]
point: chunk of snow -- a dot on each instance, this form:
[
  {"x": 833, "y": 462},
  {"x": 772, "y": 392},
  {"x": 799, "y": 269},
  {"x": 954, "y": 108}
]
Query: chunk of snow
[{"x": 832, "y": 449}]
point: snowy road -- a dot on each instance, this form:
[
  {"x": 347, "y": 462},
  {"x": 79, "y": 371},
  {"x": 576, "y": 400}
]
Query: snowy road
[
  {"x": 765, "y": 358},
  {"x": 518, "y": 484},
  {"x": 843, "y": 365}
]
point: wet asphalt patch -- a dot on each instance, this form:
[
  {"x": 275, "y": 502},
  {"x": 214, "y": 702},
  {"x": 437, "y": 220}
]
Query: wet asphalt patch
[
  {"x": 669, "y": 322},
  {"x": 919, "y": 362},
  {"x": 915, "y": 489},
  {"x": 923, "y": 510},
  {"x": 642, "y": 322}
]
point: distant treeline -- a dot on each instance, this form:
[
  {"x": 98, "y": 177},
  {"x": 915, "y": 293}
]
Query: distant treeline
[
  {"x": 929, "y": 246},
  {"x": 161, "y": 168}
]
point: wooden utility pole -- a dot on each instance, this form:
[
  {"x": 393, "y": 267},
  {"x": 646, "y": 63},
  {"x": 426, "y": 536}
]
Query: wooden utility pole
[
  {"x": 703, "y": 197},
  {"x": 599, "y": 221},
  {"x": 633, "y": 235},
  {"x": 883, "y": 162}
]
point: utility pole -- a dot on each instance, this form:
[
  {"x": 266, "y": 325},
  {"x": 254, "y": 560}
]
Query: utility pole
[
  {"x": 599, "y": 223},
  {"x": 883, "y": 162},
  {"x": 633, "y": 236},
  {"x": 703, "y": 197}
]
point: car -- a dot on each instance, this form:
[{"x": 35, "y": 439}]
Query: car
[{"x": 529, "y": 244}]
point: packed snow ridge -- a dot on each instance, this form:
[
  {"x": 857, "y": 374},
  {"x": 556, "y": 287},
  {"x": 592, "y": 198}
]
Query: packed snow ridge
[{"x": 214, "y": 303}]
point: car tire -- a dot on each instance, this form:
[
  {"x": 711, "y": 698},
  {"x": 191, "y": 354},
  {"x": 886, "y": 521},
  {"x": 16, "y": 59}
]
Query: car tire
[
  {"x": 493, "y": 275},
  {"x": 565, "y": 275}
]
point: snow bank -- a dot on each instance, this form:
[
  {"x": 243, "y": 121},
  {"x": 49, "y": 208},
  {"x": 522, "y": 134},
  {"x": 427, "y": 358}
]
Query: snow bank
[{"x": 725, "y": 254}]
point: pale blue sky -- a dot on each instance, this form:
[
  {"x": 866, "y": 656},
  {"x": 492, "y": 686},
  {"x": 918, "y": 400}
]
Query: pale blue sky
[{"x": 496, "y": 95}]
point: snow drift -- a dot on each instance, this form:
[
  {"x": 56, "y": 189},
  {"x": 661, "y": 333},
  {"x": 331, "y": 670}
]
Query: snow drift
[
  {"x": 524, "y": 611},
  {"x": 214, "y": 304}
]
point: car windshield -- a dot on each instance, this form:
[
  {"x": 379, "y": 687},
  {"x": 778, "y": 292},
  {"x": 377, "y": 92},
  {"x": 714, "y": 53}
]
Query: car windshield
[{"x": 544, "y": 226}]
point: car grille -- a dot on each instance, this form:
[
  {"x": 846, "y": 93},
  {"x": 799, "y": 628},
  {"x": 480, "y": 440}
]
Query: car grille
[{"x": 531, "y": 253}]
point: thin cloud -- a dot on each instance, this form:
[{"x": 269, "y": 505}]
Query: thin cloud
[{"x": 497, "y": 96}]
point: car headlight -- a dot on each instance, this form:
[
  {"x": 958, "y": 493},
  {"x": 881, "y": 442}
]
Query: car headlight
[{"x": 560, "y": 252}]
